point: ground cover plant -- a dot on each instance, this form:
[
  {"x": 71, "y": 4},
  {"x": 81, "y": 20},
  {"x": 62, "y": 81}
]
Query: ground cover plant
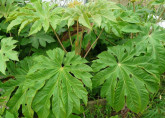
[{"x": 101, "y": 59}]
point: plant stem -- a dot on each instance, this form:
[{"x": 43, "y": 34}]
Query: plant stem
[
  {"x": 81, "y": 39},
  {"x": 70, "y": 38},
  {"x": 133, "y": 6},
  {"x": 110, "y": 42},
  {"x": 77, "y": 41},
  {"x": 93, "y": 43},
  {"x": 134, "y": 12},
  {"x": 58, "y": 39}
]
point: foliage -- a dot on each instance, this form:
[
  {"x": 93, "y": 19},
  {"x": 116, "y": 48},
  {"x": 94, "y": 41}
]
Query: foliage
[
  {"x": 6, "y": 7},
  {"x": 125, "y": 73},
  {"x": 57, "y": 77},
  {"x": 7, "y": 53},
  {"x": 38, "y": 79},
  {"x": 40, "y": 14}
]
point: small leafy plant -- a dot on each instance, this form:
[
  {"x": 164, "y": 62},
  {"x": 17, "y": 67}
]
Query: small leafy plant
[{"x": 103, "y": 49}]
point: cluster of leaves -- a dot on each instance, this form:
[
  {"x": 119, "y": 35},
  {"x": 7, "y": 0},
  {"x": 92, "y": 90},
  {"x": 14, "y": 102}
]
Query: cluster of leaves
[{"x": 40, "y": 79}]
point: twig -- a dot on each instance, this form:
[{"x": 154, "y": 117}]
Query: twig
[
  {"x": 58, "y": 39},
  {"x": 93, "y": 43},
  {"x": 110, "y": 42}
]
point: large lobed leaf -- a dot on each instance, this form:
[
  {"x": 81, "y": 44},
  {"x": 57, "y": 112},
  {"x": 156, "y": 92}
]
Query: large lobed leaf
[
  {"x": 127, "y": 75},
  {"x": 19, "y": 85},
  {"x": 40, "y": 38},
  {"x": 52, "y": 85},
  {"x": 42, "y": 15},
  {"x": 153, "y": 38}
]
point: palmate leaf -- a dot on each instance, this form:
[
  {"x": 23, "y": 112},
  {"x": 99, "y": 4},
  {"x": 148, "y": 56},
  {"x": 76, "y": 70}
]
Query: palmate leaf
[
  {"x": 153, "y": 38},
  {"x": 7, "y": 53},
  {"x": 130, "y": 16},
  {"x": 126, "y": 76},
  {"x": 51, "y": 85},
  {"x": 42, "y": 15},
  {"x": 23, "y": 94},
  {"x": 63, "y": 89},
  {"x": 40, "y": 38}
]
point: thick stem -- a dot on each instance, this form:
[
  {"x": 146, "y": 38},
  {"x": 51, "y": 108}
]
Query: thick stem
[
  {"x": 81, "y": 39},
  {"x": 131, "y": 35},
  {"x": 58, "y": 39},
  {"x": 70, "y": 38},
  {"x": 77, "y": 41},
  {"x": 93, "y": 43},
  {"x": 134, "y": 12},
  {"x": 133, "y": 6}
]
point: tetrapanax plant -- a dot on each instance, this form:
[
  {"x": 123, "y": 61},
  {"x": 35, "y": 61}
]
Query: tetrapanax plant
[{"x": 52, "y": 82}]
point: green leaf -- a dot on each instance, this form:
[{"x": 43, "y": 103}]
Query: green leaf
[
  {"x": 9, "y": 115},
  {"x": 6, "y": 7},
  {"x": 40, "y": 39},
  {"x": 83, "y": 19},
  {"x": 40, "y": 14},
  {"x": 130, "y": 16},
  {"x": 62, "y": 76},
  {"x": 14, "y": 23},
  {"x": 97, "y": 19},
  {"x": 36, "y": 27},
  {"x": 51, "y": 85},
  {"x": 24, "y": 91},
  {"x": 154, "y": 41},
  {"x": 131, "y": 28},
  {"x": 35, "y": 0},
  {"x": 22, "y": 26},
  {"x": 126, "y": 76},
  {"x": 110, "y": 16},
  {"x": 7, "y": 53},
  {"x": 90, "y": 37}
]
